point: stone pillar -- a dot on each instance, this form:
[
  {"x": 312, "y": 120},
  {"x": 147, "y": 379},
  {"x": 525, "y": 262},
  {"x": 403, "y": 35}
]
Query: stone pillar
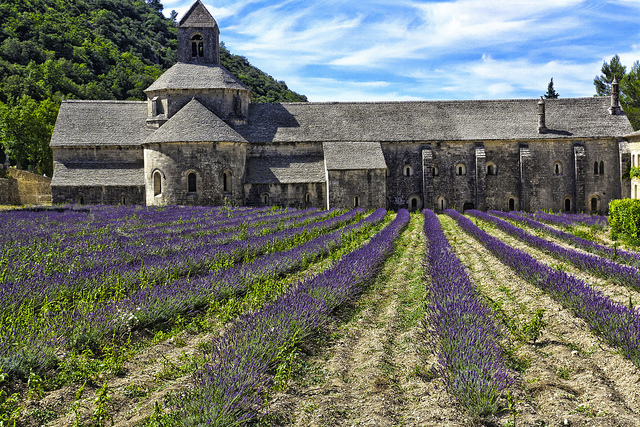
[
  {"x": 524, "y": 187},
  {"x": 481, "y": 173},
  {"x": 579, "y": 177},
  {"x": 625, "y": 164},
  {"x": 427, "y": 177}
]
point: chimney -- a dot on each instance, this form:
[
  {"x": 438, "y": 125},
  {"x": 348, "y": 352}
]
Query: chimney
[
  {"x": 541, "y": 126},
  {"x": 615, "y": 97}
]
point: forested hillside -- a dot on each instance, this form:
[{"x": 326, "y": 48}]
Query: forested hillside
[{"x": 88, "y": 49}]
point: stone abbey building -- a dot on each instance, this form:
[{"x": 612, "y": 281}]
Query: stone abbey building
[{"x": 198, "y": 139}]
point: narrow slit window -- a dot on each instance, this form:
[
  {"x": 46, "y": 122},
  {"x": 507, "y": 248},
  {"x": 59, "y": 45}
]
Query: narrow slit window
[
  {"x": 191, "y": 183},
  {"x": 601, "y": 167},
  {"x": 157, "y": 184}
]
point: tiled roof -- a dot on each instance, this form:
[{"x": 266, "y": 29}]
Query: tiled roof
[
  {"x": 353, "y": 155},
  {"x": 432, "y": 121},
  {"x": 197, "y": 17},
  {"x": 90, "y": 174},
  {"x": 284, "y": 170},
  {"x": 196, "y": 76},
  {"x": 194, "y": 123},
  {"x": 101, "y": 123}
]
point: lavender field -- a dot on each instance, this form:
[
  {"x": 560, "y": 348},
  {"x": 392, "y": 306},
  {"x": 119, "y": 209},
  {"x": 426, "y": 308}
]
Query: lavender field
[{"x": 187, "y": 316}]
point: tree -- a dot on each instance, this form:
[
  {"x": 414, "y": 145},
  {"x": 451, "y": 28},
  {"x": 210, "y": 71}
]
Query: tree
[
  {"x": 630, "y": 95},
  {"x": 603, "y": 81},
  {"x": 25, "y": 132},
  {"x": 551, "y": 92}
]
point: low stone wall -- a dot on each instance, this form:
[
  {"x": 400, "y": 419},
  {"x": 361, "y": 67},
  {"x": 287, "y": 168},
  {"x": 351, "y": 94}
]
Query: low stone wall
[{"x": 25, "y": 188}]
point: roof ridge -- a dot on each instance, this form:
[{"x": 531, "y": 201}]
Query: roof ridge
[{"x": 433, "y": 101}]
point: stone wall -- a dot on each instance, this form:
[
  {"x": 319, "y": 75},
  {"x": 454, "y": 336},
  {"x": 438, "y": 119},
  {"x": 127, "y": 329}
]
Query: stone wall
[
  {"x": 25, "y": 188},
  {"x": 174, "y": 162},
  {"x": 302, "y": 196},
  {"x": 501, "y": 175},
  {"x": 100, "y": 195},
  {"x": 357, "y": 188}
]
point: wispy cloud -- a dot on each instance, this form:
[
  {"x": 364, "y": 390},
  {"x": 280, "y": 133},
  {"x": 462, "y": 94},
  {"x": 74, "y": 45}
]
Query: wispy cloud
[{"x": 406, "y": 49}]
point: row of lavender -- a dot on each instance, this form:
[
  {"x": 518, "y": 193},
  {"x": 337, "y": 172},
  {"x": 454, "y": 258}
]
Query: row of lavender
[
  {"x": 229, "y": 388},
  {"x": 596, "y": 265},
  {"x": 466, "y": 338},
  {"x": 111, "y": 244},
  {"x": 618, "y": 324},
  {"x": 615, "y": 254},
  {"x": 42, "y": 324},
  {"x": 103, "y": 280}
]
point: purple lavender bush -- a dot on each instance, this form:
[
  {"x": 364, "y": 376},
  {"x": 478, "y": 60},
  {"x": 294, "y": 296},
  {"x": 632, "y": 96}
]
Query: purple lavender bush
[
  {"x": 466, "y": 338},
  {"x": 617, "y": 324},
  {"x": 597, "y": 265},
  {"x": 615, "y": 254},
  {"x": 229, "y": 388}
]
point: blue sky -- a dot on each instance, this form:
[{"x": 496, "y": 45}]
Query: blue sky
[{"x": 391, "y": 50}]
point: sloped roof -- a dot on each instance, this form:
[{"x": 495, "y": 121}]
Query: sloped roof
[
  {"x": 194, "y": 123},
  {"x": 284, "y": 169},
  {"x": 196, "y": 76},
  {"x": 92, "y": 123},
  {"x": 90, "y": 174},
  {"x": 353, "y": 155},
  {"x": 197, "y": 17},
  {"x": 432, "y": 121}
]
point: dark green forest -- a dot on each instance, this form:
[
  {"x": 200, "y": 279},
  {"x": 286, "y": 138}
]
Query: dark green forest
[{"x": 88, "y": 49}]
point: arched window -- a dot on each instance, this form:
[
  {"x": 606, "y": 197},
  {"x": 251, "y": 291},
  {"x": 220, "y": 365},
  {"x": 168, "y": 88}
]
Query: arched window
[
  {"x": 601, "y": 167},
  {"x": 265, "y": 198},
  {"x": 461, "y": 169},
  {"x": 492, "y": 169},
  {"x": 226, "y": 182},
  {"x": 414, "y": 203},
  {"x": 80, "y": 200},
  {"x": 442, "y": 203},
  {"x": 567, "y": 204},
  {"x": 307, "y": 198},
  {"x": 595, "y": 168},
  {"x": 557, "y": 168},
  {"x": 197, "y": 46},
  {"x": 633, "y": 160},
  {"x": 123, "y": 200},
  {"x": 408, "y": 170},
  {"x": 635, "y": 191},
  {"x": 512, "y": 204},
  {"x": 356, "y": 202},
  {"x": 191, "y": 182},
  {"x": 157, "y": 183}
]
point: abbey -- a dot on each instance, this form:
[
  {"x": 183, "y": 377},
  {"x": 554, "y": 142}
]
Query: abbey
[{"x": 198, "y": 139}]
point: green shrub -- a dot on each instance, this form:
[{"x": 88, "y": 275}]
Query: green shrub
[{"x": 624, "y": 219}]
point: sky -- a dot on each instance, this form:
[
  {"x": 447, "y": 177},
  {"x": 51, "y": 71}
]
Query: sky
[{"x": 396, "y": 50}]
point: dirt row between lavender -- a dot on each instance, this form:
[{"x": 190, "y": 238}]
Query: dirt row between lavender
[
  {"x": 372, "y": 371},
  {"x": 568, "y": 377}
]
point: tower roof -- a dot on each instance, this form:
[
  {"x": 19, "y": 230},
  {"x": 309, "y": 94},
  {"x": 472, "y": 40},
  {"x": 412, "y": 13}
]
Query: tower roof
[
  {"x": 197, "y": 17},
  {"x": 195, "y": 123},
  {"x": 196, "y": 76}
]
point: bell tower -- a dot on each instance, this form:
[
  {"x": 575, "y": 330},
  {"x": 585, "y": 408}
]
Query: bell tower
[{"x": 198, "y": 37}]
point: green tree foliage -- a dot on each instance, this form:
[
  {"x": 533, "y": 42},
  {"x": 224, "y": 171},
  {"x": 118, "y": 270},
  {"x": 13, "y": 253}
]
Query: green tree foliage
[
  {"x": 551, "y": 92},
  {"x": 89, "y": 49},
  {"x": 25, "y": 130},
  {"x": 629, "y": 87},
  {"x": 609, "y": 70}
]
